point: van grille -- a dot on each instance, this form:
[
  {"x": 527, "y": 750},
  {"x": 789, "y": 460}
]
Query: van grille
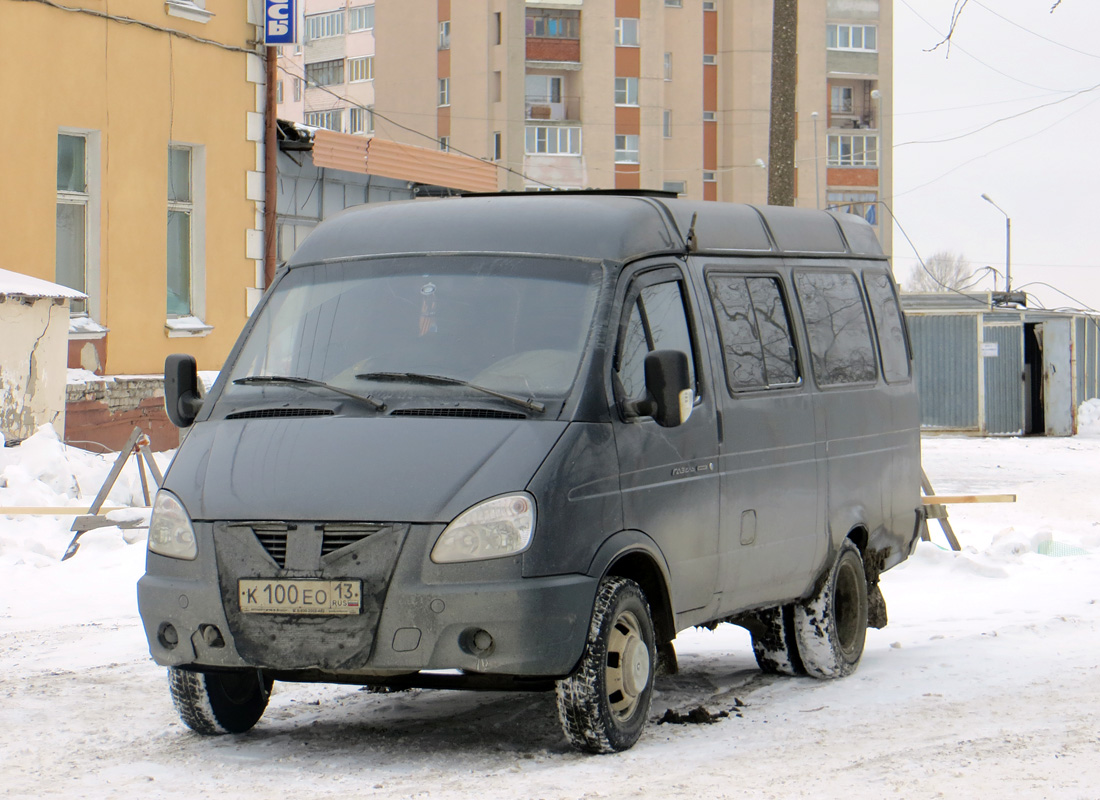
[
  {"x": 470, "y": 413},
  {"x": 281, "y": 412},
  {"x": 274, "y": 536}
]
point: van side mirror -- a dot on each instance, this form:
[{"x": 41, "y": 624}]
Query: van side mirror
[
  {"x": 181, "y": 389},
  {"x": 668, "y": 385}
]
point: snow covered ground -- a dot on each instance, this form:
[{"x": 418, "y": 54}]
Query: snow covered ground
[{"x": 986, "y": 683}]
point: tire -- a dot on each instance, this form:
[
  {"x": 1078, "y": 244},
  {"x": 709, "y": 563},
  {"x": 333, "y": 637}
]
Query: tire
[
  {"x": 604, "y": 704},
  {"x": 831, "y": 627},
  {"x": 215, "y": 703},
  {"x": 774, "y": 644}
]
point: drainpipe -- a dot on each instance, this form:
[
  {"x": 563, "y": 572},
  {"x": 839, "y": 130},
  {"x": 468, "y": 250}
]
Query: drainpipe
[{"x": 270, "y": 170}]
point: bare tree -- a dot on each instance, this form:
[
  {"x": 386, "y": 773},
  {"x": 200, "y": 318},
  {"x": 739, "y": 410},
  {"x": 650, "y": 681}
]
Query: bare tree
[
  {"x": 784, "y": 85},
  {"x": 942, "y": 272}
]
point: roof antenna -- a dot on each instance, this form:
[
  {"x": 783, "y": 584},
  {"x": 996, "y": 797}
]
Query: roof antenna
[{"x": 690, "y": 242}]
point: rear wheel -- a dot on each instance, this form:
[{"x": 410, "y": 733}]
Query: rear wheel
[
  {"x": 603, "y": 705},
  {"x": 831, "y": 627},
  {"x": 213, "y": 703},
  {"x": 774, "y": 644}
]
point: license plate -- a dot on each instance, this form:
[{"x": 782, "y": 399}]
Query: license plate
[{"x": 299, "y": 597}]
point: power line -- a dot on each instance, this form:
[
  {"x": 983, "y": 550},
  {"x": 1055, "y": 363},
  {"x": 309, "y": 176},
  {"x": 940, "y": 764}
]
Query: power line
[{"x": 1033, "y": 33}]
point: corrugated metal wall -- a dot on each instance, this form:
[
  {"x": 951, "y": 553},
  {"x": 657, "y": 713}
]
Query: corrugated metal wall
[
  {"x": 945, "y": 350},
  {"x": 1093, "y": 329},
  {"x": 1004, "y": 385},
  {"x": 1080, "y": 355}
]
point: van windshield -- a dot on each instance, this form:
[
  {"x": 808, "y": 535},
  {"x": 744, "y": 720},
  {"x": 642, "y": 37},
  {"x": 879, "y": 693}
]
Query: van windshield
[{"x": 470, "y": 328}]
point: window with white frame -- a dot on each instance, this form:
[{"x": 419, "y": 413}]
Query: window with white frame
[
  {"x": 853, "y": 150},
  {"x": 865, "y": 204},
  {"x": 626, "y": 32},
  {"x": 709, "y": 5},
  {"x": 666, "y": 123},
  {"x": 710, "y": 177},
  {"x": 445, "y": 35},
  {"x": 552, "y": 140},
  {"x": 360, "y": 120},
  {"x": 278, "y": 91},
  {"x": 852, "y": 37},
  {"x": 324, "y": 26},
  {"x": 297, "y": 89},
  {"x": 674, "y": 3},
  {"x": 626, "y": 148},
  {"x": 325, "y": 73},
  {"x": 710, "y": 116},
  {"x": 709, "y": 59},
  {"x": 549, "y": 23},
  {"x": 444, "y": 91},
  {"x": 626, "y": 91},
  {"x": 498, "y": 148},
  {"x": 674, "y": 186},
  {"x": 185, "y": 236},
  {"x": 841, "y": 100},
  {"x": 361, "y": 69},
  {"x": 360, "y": 18},
  {"x": 668, "y": 66},
  {"x": 445, "y": 143},
  {"x": 329, "y": 120},
  {"x": 77, "y": 217}
]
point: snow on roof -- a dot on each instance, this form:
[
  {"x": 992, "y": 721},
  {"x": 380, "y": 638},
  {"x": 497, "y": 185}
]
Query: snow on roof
[{"x": 16, "y": 283}]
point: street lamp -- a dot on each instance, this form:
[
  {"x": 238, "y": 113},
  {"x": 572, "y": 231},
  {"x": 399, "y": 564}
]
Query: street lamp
[{"x": 1008, "y": 243}]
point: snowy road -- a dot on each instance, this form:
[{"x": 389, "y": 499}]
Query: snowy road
[{"x": 985, "y": 684}]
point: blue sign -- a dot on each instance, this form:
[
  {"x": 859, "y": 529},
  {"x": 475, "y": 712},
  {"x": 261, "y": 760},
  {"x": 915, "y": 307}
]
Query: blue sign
[{"x": 280, "y": 22}]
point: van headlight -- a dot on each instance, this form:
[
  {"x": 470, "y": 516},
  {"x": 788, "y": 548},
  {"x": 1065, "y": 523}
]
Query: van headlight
[
  {"x": 170, "y": 530},
  {"x": 493, "y": 528}
]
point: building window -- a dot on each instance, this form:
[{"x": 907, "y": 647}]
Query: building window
[
  {"x": 841, "y": 100},
  {"x": 361, "y": 69},
  {"x": 182, "y": 231},
  {"x": 666, "y": 123},
  {"x": 853, "y": 150},
  {"x": 551, "y": 23},
  {"x": 297, "y": 89},
  {"x": 329, "y": 120},
  {"x": 626, "y": 91},
  {"x": 444, "y": 91},
  {"x": 626, "y": 32},
  {"x": 360, "y": 120},
  {"x": 863, "y": 204},
  {"x": 674, "y": 3},
  {"x": 74, "y": 202},
  {"x": 709, "y": 59},
  {"x": 360, "y": 18},
  {"x": 445, "y": 35},
  {"x": 710, "y": 116},
  {"x": 852, "y": 37},
  {"x": 674, "y": 186},
  {"x": 626, "y": 148},
  {"x": 668, "y": 66},
  {"x": 325, "y": 26},
  {"x": 278, "y": 91},
  {"x": 709, "y": 5},
  {"x": 542, "y": 89},
  {"x": 709, "y": 177},
  {"x": 445, "y": 143},
  {"x": 325, "y": 73},
  {"x": 545, "y": 140},
  {"x": 498, "y": 26},
  {"x": 497, "y": 146}
]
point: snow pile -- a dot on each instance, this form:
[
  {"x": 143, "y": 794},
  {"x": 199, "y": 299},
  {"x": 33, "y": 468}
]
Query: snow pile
[
  {"x": 1088, "y": 418},
  {"x": 43, "y": 471}
]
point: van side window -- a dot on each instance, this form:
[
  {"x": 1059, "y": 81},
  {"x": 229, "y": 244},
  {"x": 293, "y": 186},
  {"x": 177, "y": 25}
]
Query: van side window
[
  {"x": 757, "y": 345},
  {"x": 657, "y": 321},
  {"x": 837, "y": 327},
  {"x": 889, "y": 326}
]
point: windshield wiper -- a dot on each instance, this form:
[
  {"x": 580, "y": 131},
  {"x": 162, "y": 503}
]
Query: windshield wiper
[
  {"x": 415, "y": 377},
  {"x": 294, "y": 380}
]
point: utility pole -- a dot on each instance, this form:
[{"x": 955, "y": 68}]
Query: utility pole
[
  {"x": 784, "y": 86},
  {"x": 270, "y": 169}
]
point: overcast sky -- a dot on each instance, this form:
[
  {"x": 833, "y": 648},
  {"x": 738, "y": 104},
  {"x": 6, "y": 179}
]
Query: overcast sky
[{"x": 1008, "y": 57}]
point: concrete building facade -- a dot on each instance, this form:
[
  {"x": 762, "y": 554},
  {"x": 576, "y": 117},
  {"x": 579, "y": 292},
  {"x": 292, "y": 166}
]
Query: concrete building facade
[{"x": 651, "y": 94}]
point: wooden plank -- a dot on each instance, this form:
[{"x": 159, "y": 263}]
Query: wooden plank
[{"x": 942, "y": 499}]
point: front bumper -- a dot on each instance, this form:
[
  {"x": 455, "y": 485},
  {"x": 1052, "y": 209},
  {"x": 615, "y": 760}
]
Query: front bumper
[{"x": 416, "y": 615}]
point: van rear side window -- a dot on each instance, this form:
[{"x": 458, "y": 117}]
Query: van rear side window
[
  {"x": 837, "y": 327},
  {"x": 757, "y": 346},
  {"x": 889, "y": 326}
]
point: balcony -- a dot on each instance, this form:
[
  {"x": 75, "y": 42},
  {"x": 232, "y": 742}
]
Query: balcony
[{"x": 552, "y": 109}]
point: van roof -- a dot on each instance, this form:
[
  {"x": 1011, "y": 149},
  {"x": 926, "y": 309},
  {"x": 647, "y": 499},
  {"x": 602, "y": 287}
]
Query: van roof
[{"x": 602, "y": 226}]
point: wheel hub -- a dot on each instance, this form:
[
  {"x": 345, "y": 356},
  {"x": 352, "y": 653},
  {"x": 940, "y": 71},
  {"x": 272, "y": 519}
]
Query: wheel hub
[{"x": 628, "y": 666}]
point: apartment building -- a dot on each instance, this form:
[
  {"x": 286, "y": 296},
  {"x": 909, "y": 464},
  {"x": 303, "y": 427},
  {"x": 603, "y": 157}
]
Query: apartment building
[{"x": 628, "y": 94}]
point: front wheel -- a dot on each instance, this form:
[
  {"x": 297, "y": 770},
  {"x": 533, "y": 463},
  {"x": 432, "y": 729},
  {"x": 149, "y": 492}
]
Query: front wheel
[
  {"x": 831, "y": 627},
  {"x": 603, "y": 705},
  {"x": 213, "y": 703}
]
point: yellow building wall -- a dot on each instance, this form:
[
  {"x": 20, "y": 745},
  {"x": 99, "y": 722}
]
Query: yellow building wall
[{"x": 141, "y": 89}]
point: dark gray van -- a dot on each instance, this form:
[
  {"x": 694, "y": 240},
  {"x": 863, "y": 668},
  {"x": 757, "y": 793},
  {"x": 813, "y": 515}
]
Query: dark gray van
[{"x": 518, "y": 442}]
